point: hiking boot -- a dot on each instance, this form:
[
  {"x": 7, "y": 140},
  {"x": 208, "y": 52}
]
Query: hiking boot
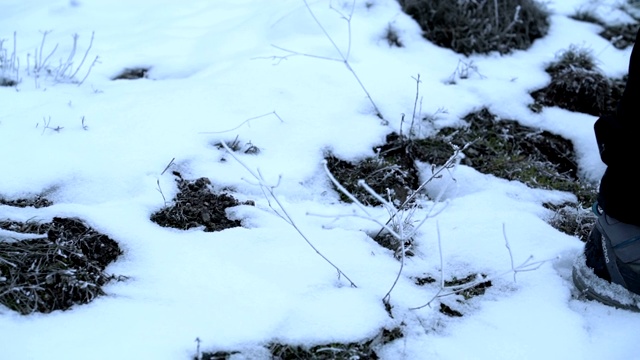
[{"x": 609, "y": 269}]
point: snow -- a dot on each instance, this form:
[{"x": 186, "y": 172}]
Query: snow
[{"x": 211, "y": 69}]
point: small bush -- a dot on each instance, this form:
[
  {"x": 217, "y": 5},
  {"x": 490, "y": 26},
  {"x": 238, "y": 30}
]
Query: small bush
[{"x": 469, "y": 26}]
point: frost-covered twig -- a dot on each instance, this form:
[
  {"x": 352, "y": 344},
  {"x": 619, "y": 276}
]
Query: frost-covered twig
[
  {"x": 343, "y": 57},
  {"x": 452, "y": 162},
  {"x": 399, "y": 230},
  {"x": 269, "y": 193},
  {"x": 248, "y": 121},
  {"x": 527, "y": 265},
  {"x": 42, "y": 67}
]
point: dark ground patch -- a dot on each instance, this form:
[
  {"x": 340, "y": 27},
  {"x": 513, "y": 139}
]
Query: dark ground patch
[
  {"x": 503, "y": 148},
  {"x": 197, "y": 205},
  {"x": 365, "y": 350},
  {"x": 511, "y": 151},
  {"x": 36, "y": 202},
  {"x": 391, "y": 173},
  {"x": 392, "y": 180},
  {"x": 621, "y": 36},
  {"x": 463, "y": 295},
  {"x": 7, "y": 82},
  {"x": 57, "y": 272},
  {"x": 132, "y": 74}
]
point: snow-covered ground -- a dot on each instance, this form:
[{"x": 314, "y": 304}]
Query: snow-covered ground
[{"x": 213, "y": 67}]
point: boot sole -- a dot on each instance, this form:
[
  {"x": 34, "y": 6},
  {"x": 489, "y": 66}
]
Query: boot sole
[{"x": 595, "y": 288}]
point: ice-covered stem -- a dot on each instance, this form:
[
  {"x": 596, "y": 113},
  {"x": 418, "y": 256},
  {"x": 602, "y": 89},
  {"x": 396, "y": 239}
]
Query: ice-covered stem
[
  {"x": 399, "y": 232},
  {"x": 401, "y": 236},
  {"x": 342, "y": 57},
  {"x": 450, "y": 163},
  {"x": 281, "y": 211},
  {"x": 345, "y": 58},
  {"x": 527, "y": 265}
]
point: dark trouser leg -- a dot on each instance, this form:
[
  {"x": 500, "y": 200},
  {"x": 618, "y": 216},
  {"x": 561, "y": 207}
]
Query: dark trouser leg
[{"x": 618, "y": 138}]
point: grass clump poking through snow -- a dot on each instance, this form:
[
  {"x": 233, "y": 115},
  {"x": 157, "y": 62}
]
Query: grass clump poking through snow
[
  {"x": 572, "y": 219},
  {"x": 469, "y": 26},
  {"x": 578, "y": 85},
  {"x": 63, "y": 265},
  {"x": 196, "y": 205}
]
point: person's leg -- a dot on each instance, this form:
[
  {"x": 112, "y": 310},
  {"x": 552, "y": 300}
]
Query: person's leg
[
  {"x": 617, "y": 137},
  {"x": 612, "y": 251}
]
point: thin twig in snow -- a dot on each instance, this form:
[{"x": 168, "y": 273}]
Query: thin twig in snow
[{"x": 281, "y": 211}]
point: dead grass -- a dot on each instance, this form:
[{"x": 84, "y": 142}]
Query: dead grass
[{"x": 57, "y": 272}]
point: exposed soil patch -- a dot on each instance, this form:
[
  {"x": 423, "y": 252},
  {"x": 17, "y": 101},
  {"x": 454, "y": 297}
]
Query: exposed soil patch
[
  {"x": 196, "y": 205},
  {"x": 36, "y": 202},
  {"x": 132, "y": 74},
  {"x": 54, "y": 273},
  {"x": 578, "y": 85},
  {"x": 393, "y": 181},
  {"x": 503, "y": 148},
  {"x": 7, "y": 82},
  {"x": 365, "y": 350},
  {"x": 469, "y": 27},
  {"x": 463, "y": 295},
  {"x": 473, "y": 291},
  {"x": 239, "y": 146},
  {"x": 511, "y": 151},
  {"x": 621, "y": 36},
  {"x": 392, "y": 37}
]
